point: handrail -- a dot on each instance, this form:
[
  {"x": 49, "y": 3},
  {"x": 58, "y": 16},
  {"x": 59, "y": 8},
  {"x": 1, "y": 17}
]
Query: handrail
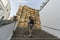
[
  {"x": 5, "y": 22},
  {"x": 51, "y": 28},
  {"x": 44, "y": 4}
]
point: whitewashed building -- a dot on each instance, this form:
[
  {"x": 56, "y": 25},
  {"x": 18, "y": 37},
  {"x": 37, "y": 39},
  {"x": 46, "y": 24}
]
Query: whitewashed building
[
  {"x": 50, "y": 17},
  {"x": 4, "y": 9}
]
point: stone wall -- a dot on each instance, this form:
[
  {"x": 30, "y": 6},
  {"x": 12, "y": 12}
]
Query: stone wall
[{"x": 23, "y": 16}]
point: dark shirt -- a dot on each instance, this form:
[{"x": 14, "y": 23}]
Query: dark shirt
[{"x": 31, "y": 21}]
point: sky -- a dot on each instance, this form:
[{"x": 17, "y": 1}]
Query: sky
[{"x": 31, "y": 3}]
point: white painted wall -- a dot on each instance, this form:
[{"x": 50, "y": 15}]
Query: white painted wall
[
  {"x": 7, "y": 31},
  {"x": 4, "y": 12},
  {"x": 7, "y": 13},
  {"x": 50, "y": 16},
  {"x": 4, "y": 2}
]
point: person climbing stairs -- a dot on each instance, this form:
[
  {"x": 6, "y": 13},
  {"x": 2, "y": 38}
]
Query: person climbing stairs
[{"x": 22, "y": 34}]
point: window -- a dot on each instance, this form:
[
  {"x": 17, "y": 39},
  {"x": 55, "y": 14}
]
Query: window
[
  {"x": 2, "y": 17},
  {"x": 7, "y": 10}
]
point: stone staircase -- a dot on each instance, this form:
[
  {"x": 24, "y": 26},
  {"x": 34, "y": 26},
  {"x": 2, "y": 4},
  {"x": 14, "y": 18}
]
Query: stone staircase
[{"x": 22, "y": 34}]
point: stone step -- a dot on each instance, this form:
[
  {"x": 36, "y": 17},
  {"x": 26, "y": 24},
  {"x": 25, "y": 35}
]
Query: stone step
[
  {"x": 33, "y": 36},
  {"x": 35, "y": 39}
]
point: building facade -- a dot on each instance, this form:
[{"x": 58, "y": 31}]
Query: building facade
[{"x": 4, "y": 9}]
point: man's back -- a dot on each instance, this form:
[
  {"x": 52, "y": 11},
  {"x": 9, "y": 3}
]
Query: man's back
[{"x": 31, "y": 21}]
